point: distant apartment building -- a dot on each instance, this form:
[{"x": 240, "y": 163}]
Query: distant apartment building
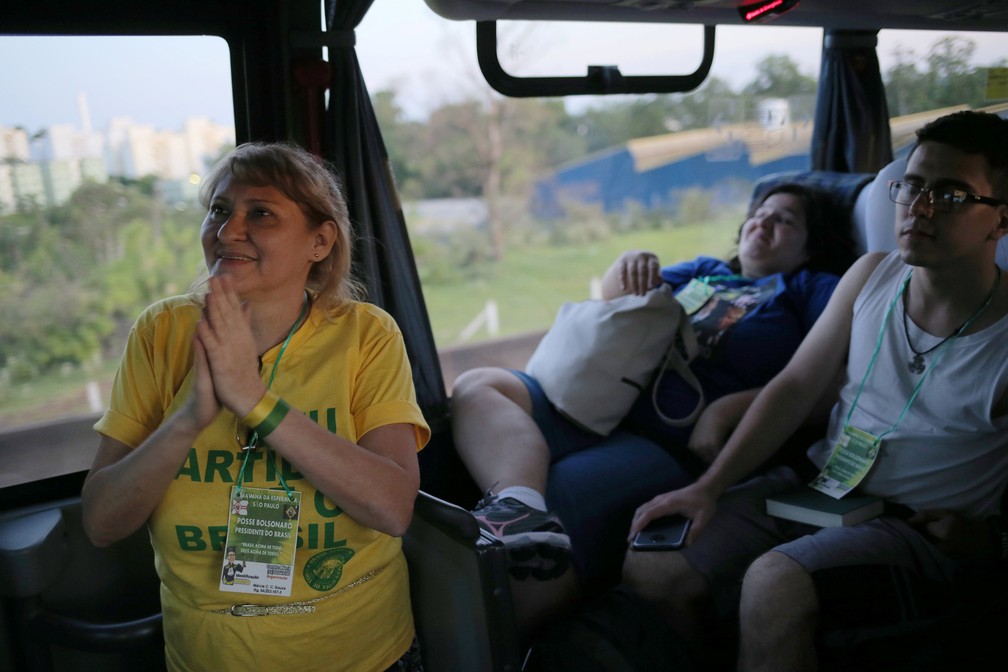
[
  {"x": 7, "y": 199},
  {"x": 135, "y": 151},
  {"x": 62, "y": 177},
  {"x": 64, "y": 142},
  {"x": 13, "y": 144},
  {"x": 205, "y": 141},
  {"x": 27, "y": 186},
  {"x": 48, "y": 167}
]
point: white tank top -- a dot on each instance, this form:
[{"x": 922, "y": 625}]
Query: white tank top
[{"x": 948, "y": 452}]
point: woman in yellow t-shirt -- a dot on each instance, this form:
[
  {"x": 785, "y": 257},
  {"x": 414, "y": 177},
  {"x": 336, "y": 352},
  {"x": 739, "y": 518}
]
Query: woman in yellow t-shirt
[{"x": 268, "y": 423}]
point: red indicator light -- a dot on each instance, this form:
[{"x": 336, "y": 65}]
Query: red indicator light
[{"x": 761, "y": 11}]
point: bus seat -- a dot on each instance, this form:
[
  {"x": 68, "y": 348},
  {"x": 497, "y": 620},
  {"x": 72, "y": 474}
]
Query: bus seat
[
  {"x": 847, "y": 191},
  {"x": 875, "y": 214},
  {"x": 69, "y": 605},
  {"x": 60, "y": 594},
  {"x": 460, "y": 591}
]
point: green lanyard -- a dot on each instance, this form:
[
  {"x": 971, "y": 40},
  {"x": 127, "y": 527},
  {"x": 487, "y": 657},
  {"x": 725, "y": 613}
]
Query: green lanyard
[
  {"x": 253, "y": 443},
  {"x": 938, "y": 354},
  {"x": 707, "y": 279}
]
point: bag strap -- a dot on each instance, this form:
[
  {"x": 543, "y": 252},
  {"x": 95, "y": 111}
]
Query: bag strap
[{"x": 681, "y": 366}]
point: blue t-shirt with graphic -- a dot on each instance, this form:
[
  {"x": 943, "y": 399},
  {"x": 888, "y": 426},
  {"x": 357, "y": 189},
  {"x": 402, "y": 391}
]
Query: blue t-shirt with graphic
[{"x": 747, "y": 332}]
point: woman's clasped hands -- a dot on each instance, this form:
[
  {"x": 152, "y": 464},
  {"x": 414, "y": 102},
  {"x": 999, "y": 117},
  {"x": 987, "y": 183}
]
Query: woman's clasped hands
[{"x": 225, "y": 357}]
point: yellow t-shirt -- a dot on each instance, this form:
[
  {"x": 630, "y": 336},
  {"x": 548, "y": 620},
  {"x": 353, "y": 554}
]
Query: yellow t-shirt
[{"x": 350, "y": 374}]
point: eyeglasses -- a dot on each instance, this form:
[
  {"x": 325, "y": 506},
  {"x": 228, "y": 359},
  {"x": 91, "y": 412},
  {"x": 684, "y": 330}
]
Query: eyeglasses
[{"x": 944, "y": 199}]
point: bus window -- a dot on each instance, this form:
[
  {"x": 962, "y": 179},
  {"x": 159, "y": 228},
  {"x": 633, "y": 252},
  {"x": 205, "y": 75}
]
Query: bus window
[
  {"x": 516, "y": 205},
  {"x": 103, "y": 142}
]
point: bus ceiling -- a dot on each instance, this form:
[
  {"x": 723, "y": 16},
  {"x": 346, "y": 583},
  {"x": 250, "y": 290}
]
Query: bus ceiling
[
  {"x": 956, "y": 15},
  {"x": 852, "y": 17}
]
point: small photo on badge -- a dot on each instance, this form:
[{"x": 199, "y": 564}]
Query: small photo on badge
[{"x": 290, "y": 511}]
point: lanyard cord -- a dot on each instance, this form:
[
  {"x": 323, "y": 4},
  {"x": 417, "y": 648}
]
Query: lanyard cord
[
  {"x": 938, "y": 354},
  {"x": 707, "y": 279},
  {"x": 253, "y": 443}
]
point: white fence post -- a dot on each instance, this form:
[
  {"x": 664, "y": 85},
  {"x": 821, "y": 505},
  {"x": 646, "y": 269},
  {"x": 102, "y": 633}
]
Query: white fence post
[
  {"x": 94, "y": 397},
  {"x": 492, "y": 318},
  {"x": 487, "y": 316}
]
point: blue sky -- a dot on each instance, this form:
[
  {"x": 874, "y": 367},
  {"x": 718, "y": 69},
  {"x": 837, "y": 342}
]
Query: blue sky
[{"x": 431, "y": 61}]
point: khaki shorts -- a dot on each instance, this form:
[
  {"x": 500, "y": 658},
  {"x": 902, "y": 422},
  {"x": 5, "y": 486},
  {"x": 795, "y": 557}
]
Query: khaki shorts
[{"x": 741, "y": 531}]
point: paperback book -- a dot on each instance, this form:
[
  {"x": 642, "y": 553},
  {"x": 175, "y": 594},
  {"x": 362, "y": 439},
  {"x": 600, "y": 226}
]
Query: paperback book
[{"x": 806, "y": 505}]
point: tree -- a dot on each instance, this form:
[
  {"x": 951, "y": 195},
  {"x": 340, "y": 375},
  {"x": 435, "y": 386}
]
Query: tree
[
  {"x": 70, "y": 275},
  {"x": 96, "y": 214},
  {"x": 949, "y": 80},
  {"x": 701, "y": 108},
  {"x": 401, "y": 137},
  {"x": 903, "y": 83},
  {"x": 777, "y": 76},
  {"x": 493, "y": 148},
  {"x": 614, "y": 122},
  {"x": 485, "y": 146}
]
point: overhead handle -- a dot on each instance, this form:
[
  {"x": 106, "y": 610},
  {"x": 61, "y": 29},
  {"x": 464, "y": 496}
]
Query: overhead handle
[{"x": 600, "y": 80}]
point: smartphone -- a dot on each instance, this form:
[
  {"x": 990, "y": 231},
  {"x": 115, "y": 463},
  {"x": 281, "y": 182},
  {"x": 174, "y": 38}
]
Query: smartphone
[{"x": 663, "y": 534}]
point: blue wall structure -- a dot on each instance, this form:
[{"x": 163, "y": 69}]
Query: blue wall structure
[{"x": 610, "y": 179}]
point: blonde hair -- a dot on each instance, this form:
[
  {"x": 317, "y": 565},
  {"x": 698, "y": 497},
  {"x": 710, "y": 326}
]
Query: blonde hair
[{"x": 311, "y": 183}]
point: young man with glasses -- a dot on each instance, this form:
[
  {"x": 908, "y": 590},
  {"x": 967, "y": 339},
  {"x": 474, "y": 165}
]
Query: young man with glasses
[{"x": 921, "y": 338}]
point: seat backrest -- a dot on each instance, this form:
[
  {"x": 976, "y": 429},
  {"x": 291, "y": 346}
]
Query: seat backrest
[
  {"x": 875, "y": 215},
  {"x": 460, "y": 591},
  {"x": 846, "y": 192},
  {"x": 843, "y": 189}
]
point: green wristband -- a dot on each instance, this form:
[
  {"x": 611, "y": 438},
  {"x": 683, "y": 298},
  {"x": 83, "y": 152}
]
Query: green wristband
[{"x": 272, "y": 419}]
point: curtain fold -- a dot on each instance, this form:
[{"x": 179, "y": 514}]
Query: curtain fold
[
  {"x": 383, "y": 257},
  {"x": 851, "y": 133}
]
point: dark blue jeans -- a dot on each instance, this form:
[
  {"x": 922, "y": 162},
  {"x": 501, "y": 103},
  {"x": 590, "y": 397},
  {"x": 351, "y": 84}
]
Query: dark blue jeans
[{"x": 596, "y": 483}]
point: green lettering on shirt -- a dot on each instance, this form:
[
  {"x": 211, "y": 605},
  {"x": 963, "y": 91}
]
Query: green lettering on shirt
[
  {"x": 330, "y": 414},
  {"x": 219, "y": 461},
  {"x": 312, "y": 543},
  {"x": 218, "y": 535},
  {"x": 190, "y": 538},
  {"x": 324, "y": 507},
  {"x": 190, "y": 467}
]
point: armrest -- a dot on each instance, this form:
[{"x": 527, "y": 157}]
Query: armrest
[
  {"x": 33, "y": 552},
  {"x": 84, "y": 635},
  {"x": 450, "y": 519},
  {"x": 36, "y": 549},
  {"x": 460, "y": 591}
]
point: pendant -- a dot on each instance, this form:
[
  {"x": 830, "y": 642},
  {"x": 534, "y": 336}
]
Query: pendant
[{"x": 916, "y": 365}]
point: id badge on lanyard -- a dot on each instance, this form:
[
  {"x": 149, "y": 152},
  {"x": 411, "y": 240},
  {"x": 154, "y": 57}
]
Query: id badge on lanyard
[
  {"x": 694, "y": 295},
  {"x": 851, "y": 460},
  {"x": 261, "y": 541}
]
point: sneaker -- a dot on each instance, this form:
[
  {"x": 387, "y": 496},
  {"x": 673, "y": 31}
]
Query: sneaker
[{"x": 535, "y": 541}]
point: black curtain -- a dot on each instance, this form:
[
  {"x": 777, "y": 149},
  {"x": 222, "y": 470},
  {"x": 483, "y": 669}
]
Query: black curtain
[
  {"x": 851, "y": 133},
  {"x": 383, "y": 257}
]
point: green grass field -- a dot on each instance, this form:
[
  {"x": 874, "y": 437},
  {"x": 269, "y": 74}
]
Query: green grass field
[
  {"x": 528, "y": 287},
  {"x": 532, "y": 282}
]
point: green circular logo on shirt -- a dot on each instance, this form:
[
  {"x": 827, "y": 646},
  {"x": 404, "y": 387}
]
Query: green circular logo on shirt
[{"x": 323, "y": 570}]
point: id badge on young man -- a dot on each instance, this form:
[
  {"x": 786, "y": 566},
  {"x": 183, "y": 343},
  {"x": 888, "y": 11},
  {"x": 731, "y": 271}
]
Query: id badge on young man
[
  {"x": 851, "y": 460},
  {"x": 261, "y": 541}
]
